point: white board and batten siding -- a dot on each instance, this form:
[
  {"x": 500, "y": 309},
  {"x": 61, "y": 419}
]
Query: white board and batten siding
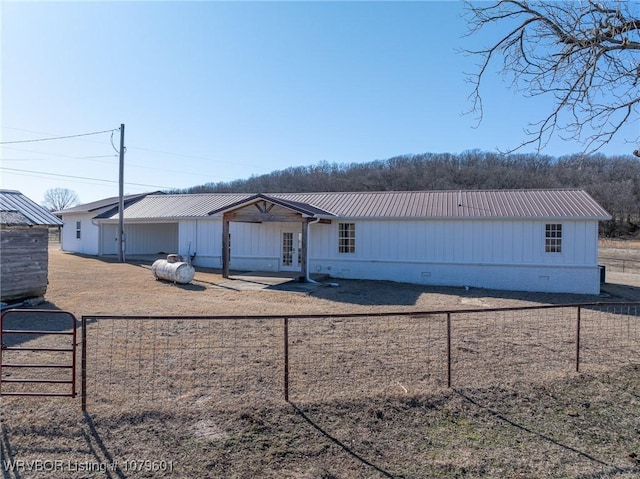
[
  {"x": 202, "y": 237},
  {"x": 494, "y": 254},
  {"x": 80, "y": 234},
  {"x": 254, "y": 247}
]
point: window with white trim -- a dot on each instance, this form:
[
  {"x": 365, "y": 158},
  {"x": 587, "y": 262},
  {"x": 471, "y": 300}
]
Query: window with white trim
[
  {"x": 78, "y": 225},
  {"x": 346, "y": 237},
  {"x": 553, "y": 238}
]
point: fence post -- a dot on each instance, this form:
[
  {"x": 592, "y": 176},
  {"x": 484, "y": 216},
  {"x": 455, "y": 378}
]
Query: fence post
[
  {"x": 578, "y": 326},
  {"x": 448, "y": 350},
  {"x": 83, "y": 365},
  {"x": 286, "y": 359}
]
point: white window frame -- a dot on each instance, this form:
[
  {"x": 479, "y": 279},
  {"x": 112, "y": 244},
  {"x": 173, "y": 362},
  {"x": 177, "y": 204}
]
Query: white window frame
[
  {"x": 553, "y": 238},
  {"x": 78, "y": 229},
  {"x": 346, "y": 238}
]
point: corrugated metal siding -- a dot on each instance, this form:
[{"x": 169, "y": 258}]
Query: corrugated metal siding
[{"x": 33, "y": 213}]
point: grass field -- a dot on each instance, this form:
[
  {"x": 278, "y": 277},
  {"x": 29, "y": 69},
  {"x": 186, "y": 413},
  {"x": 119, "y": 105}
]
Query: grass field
[
  {"x": 583, "y": 427},
  {"x": 569, "y": 425},
  {"x": 622, "y": 256}
]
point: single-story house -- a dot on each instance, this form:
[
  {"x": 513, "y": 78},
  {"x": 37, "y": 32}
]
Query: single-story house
[
  {"x": 527, "y": 240},
  {"x": 24, "y": 246}
]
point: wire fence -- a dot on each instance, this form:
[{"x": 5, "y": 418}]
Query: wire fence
[
  {"x": 180, "y": 359},
  {"x": 130, "y": 360},
  {"x": 622, "y": 265},
  {"x": 365, "y": 355}
]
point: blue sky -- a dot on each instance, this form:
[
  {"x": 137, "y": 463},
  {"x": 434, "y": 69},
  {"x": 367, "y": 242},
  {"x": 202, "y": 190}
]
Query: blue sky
[{"x": 217, "y": 91}]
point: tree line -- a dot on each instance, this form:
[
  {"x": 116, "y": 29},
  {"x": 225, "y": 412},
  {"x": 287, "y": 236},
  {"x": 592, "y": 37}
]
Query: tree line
[{"x": 613, "y": 181}]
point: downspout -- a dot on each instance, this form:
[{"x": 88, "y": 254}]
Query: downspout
[{"x": 308, "y": 277}]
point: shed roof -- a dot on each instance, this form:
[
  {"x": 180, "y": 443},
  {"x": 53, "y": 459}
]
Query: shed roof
[
  {"x": 177, "y": 206},
  {"x": 111, "y": 202},
  {"x": 18, "y": 210},
  {"x": 472, "y": 204}
]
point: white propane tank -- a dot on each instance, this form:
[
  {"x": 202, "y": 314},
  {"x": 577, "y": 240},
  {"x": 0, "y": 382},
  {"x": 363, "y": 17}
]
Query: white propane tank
[{"x": 171, "y": 270}]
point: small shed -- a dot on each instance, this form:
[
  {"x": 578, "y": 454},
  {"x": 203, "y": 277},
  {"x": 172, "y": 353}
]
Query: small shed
[{"x": 24, "y": 246}]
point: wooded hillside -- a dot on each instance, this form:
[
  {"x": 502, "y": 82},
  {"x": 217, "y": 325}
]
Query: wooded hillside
[{"x": 613, "y": 181}]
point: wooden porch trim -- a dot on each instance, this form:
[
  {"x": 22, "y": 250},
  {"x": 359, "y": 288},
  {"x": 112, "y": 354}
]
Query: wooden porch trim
[{"x": 225, "y": 247}]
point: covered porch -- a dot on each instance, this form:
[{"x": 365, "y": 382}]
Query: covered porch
[{"x": 294, "y": 237}]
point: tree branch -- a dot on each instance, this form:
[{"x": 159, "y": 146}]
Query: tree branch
[{"x": 585, "y": 55}]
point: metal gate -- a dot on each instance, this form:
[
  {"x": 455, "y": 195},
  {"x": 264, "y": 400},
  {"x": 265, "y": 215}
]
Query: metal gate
[{"x": 38, "y": 356}]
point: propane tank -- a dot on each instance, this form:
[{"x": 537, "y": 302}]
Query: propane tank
[{"x": 171, "y": 270}]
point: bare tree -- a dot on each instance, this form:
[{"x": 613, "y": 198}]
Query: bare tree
[
  {"x": 585, "y": 54},
  {"x": 57, "y": 199}
]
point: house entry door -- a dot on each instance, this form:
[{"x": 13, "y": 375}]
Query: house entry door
[
  {"x": 109, "y": 239},
  {"x": 291, "y": 245}
]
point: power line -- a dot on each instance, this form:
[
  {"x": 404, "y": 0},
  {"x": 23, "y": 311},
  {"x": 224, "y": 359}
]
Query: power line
[
  {"x": 81, "y": 177},
  {"x": 58, "y": 137},
  {"x": 182, "y": 172},
  {"x": 105, "y": 162},
  {"x": 151, "y": 150},
  {"x": 64, "y": 156},
  {"x": 193, "y": 156},
  {"x": 91, "y": 158}
]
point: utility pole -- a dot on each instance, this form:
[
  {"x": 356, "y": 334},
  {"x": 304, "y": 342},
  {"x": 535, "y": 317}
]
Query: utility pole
[{"x": 121, "y": 199}]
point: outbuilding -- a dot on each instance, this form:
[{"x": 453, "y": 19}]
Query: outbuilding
[
  {"x": 526, "y": 240},
  {"x": 24, "y": 251}
]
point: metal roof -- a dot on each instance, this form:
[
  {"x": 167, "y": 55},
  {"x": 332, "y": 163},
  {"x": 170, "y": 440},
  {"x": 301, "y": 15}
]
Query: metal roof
[
  {"x": 566, "y": 203},
  {"x": 303, "y": 208},
  {"x": 17, "y": 209},
  {"x": 177, "y": 206},
  {"x": 105, "y": 203},
  {"x": 556, "y": 203}
]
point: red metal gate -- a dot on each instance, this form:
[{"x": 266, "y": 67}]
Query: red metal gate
[{"x": 39, "y": 347}]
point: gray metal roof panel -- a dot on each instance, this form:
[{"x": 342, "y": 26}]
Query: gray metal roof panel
[
  {"x": 179, "y": 206},
  {"x": 560, "y": 203},
  {"x": 104, "y": 203},
  {"x": 564, "y": 203},
  {"x": 14, "y": 204}
]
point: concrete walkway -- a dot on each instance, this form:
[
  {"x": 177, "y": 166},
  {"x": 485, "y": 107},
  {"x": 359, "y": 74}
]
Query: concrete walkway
[{"x": 280, "y": 281}]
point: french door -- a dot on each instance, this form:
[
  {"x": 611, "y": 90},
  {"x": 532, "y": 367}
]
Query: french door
[{"x": 290, "y": 258}]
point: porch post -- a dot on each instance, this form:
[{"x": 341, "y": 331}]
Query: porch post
[
  {"x": 303, "y": 251},
  {"x": 225, "y": 247}
]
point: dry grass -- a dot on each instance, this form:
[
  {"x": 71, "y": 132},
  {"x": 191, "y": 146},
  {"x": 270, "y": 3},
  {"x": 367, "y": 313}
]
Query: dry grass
[
  {"x": 584, "y": 427},
  {"x": 632, "y": 245},
  {"x": 350, "y": 417},
  {"x": 620, "y": 255}
]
